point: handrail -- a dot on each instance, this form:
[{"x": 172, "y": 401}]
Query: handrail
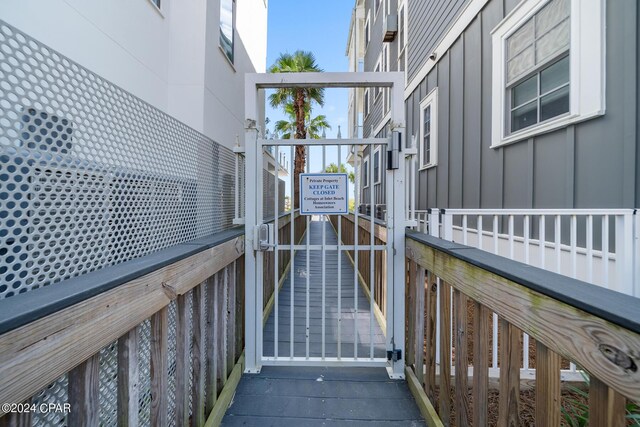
[
  {"x": 609, "y": 305},
  {"x": 31, "y": 306},
  {"x": 596, "y": 328}
]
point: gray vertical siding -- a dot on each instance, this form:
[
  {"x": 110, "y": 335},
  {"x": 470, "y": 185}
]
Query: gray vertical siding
[
  {"x": 429, "y": 21},
  {"x": 587, "y": 165}
]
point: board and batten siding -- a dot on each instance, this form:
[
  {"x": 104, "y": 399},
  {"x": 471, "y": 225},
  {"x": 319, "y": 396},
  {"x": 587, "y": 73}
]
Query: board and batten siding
[
  {"x": 429, "y": 21},
  {"x": 592, "y": 164}
]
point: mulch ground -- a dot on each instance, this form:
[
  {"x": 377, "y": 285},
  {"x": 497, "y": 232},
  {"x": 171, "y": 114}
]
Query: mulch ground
[{"x": 572, "y": 401}]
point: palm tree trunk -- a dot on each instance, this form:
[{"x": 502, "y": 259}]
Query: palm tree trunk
[{"x": 299, "y": 162}]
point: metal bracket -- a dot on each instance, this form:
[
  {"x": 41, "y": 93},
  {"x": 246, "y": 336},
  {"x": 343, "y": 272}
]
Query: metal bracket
[
  {"x": 394, "y": 355},
  {"x": 393, "y": 151}
]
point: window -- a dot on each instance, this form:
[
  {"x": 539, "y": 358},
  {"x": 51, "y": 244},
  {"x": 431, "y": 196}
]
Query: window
[
  {"x": 376, "y": 8},
  {"x": 227, "y": 26},
  {"x": 377, "y": 175},
  {"x": 156, "y": 3},
  {"x": 377, "y": 90},
  {"x": 402, "y": 41},
  {"x": 365, "y": 172},
  {"x": 548, "y": 68},
  {"x": 385, "y": 67},
  {"x": 429, "y": 130},
  {"x": 366, "y": 102},
  {"x": 367, "y": 32}
]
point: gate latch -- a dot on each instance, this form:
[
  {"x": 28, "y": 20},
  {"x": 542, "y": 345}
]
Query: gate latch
[
  {"x": 394, "y": 355},
  {"x": 264, "y": 238}
]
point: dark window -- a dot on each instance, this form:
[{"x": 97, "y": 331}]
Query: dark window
[{"x": 227, "y": 22}]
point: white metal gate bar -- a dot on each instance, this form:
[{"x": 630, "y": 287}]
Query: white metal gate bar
[{"x": 393, "y": 344}]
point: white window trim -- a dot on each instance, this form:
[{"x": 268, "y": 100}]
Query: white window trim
[
  {"x": 367, "y": 31},
  {"x": 377, "y": 179},
  {"x": 365, "y": 161},
  {"x": 377, "y": 10},
  {"x": 401, "y": 4},
  {"x": 386, "y": 99},
  {"x": 377, "y": 90},
  {"x": 587, "y": 57},
  {"x": 432, "y": 100},
  {"x": 159, "y": 9},
  {"x": 366, "y": 101}
]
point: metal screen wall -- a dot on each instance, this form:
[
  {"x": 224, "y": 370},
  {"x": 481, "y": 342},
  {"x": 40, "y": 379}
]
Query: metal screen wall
[{"x": 90, "y": 175}]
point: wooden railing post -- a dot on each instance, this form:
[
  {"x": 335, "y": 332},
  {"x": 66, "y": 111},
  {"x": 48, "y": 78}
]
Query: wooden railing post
[
  {"x": 606, "y": 406},
  {"x": 220, "y": 328},
  {"x": 197, "y": 362},
  {"x": 159, "y": 397},
  {"x": 547, "y": 386},
  {"x": 410, "y": 308},
  {"x": 128, "y": 380},
  {"x": 17, "y": 419},
  {"x": 419, "y": 324},
  {"x": 211, "y": 392},
  {"x": 508, "y": 407},
  {"x": 462, "y": 375},
  {"x": 182, "y": 359},
  {"x": 84, "y": 393},
  {"x": 445, "y": 353},
  {"x": 430, "y": 329},
  {"x": 480, "y": 364}
]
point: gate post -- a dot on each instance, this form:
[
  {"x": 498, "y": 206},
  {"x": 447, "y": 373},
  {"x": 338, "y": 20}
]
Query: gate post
[
  {"x": 396, "y": 221},
  {"x": 251, "y": 320}
]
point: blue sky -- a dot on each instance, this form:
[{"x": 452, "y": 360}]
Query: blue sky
[{"x": 322, "y": 27}]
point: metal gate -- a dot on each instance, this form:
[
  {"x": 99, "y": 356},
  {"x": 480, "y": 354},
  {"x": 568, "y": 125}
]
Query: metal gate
[{"x": 318, "y": 309}]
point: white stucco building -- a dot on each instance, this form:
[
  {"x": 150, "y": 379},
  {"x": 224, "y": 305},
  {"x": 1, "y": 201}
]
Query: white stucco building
[{"x": 170, "y": 53}]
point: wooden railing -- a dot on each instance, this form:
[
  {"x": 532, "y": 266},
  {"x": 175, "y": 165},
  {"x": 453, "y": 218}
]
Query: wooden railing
[
  {"x": 364, "y": 260},
  {"x": 284, "y": 238},
  {"x": 60, "y": 331},
  {"x": 595, "y": 328}
]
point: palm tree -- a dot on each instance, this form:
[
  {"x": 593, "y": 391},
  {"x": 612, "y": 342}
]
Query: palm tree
[
  {"x": 333, "y": 168},
  {"x": 314, "y": 126},
  {"x": 300, "y": 100}
]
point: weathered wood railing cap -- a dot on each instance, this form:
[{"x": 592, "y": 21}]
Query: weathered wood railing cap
[
  {"x": 615, "y": 307},
  {"x": 24, "y": 308}
]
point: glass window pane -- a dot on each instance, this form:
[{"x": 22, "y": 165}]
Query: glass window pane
[
  {"x": 554, "y": 104},
  {"x": 524, "y": 116},
  {"x": 554, "y": 76},
  {"x": 550, "y": 15},
  {"x": 524, "y": 92},
  {"x": 226, "y": 27},
  {"x": 427, "y": 149},
  {"x": 520, "y": 64},
  {"x": 553, "y": 42},
  {"x": 520, "y": 40}
]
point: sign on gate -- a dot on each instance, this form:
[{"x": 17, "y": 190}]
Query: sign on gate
[{"x": 324, "y": 193}]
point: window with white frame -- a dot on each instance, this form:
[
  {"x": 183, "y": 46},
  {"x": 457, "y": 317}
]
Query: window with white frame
[
  {"x": 377, "y": 169},
  {"x": 548, "y": 68},
  {"x": 156, "y": 3},
  {"x": 376, "y": 8},
  {"x": 428, "y": 142},
  {"x": 365, "y": 172},
  {"x": 402, "y": 34},
  {"x": 377, "y": 90},
  {"x": 227, "y": 27},
  {"x": 385, "y": 67},
  {"x": 366, "y": 103},
  {"x": 367, "y": 31}
]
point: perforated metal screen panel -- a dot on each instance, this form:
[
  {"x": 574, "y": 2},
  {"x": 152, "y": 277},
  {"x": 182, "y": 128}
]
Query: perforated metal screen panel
[{"x": 90, "y": 175}]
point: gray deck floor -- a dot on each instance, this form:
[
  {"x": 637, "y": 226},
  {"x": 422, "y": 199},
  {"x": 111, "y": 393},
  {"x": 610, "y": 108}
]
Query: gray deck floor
[
  {"x": 305, "y": 396},
  {"x": 348, "y": 325},
  {"x": 322, "y": 396}
]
